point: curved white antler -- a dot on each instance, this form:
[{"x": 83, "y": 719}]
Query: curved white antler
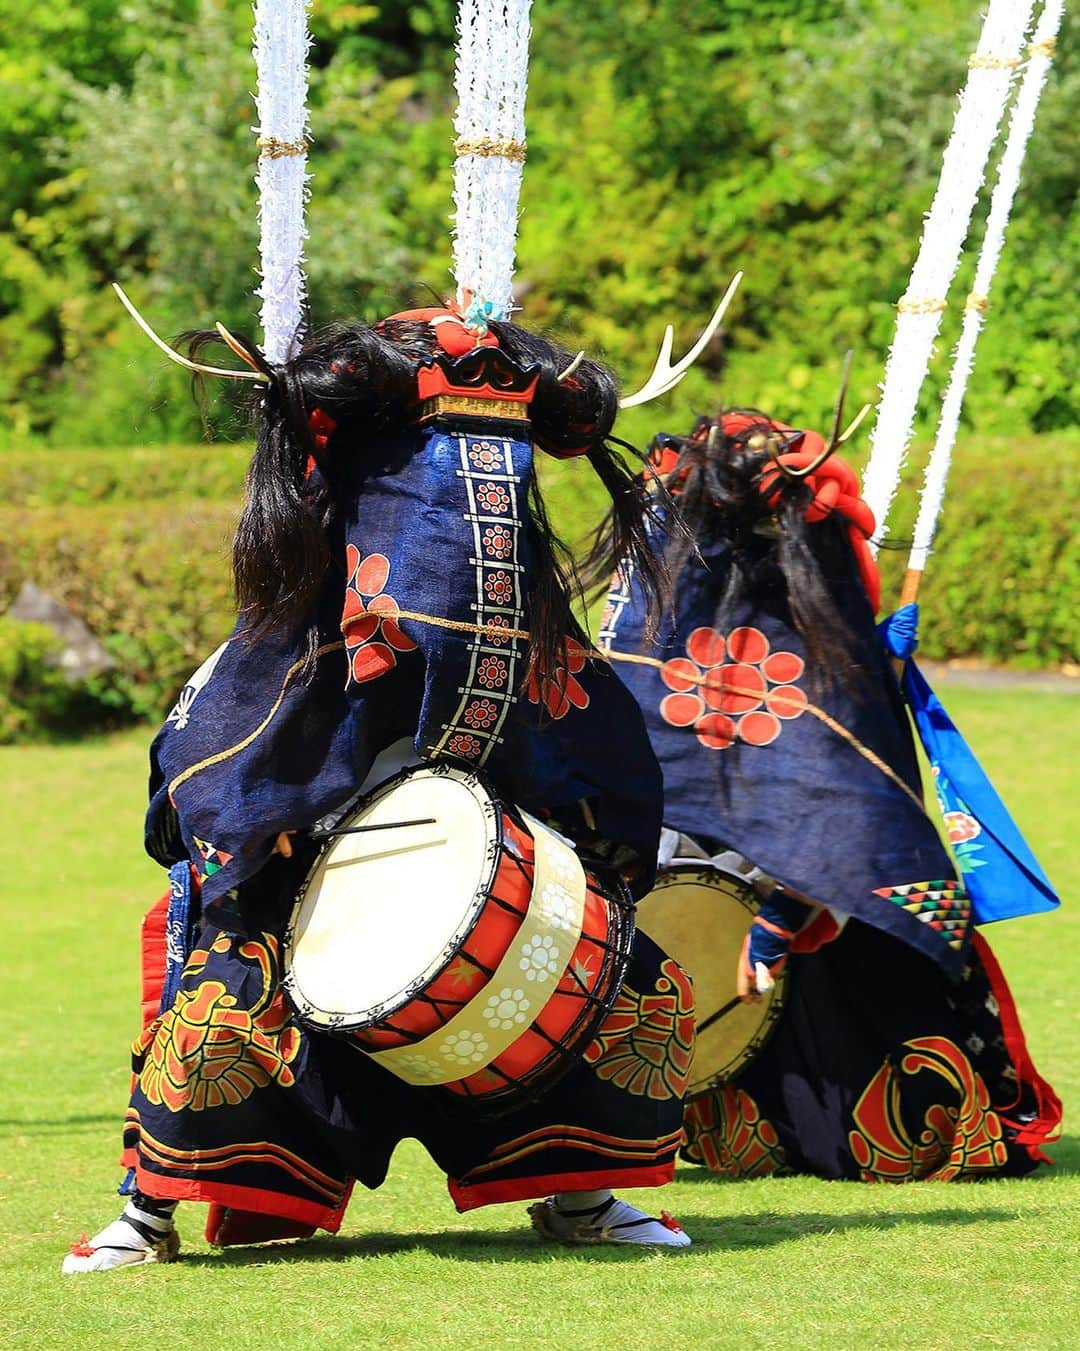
[
  {"x": 184, "y": 361},
  {"x": 664, "y": 375},
  {"x": 565, "y": 375}
]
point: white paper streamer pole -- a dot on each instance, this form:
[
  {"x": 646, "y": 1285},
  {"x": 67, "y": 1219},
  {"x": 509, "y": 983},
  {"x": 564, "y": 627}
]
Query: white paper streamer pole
[
  {"x": 1020, "y": 126},
  {"x": 490, "y": 77},
  {"x": 281, "y": 48},
  {"x": 982, "y": 104}
]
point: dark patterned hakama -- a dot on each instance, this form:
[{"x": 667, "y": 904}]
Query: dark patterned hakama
[
  {"x": 882, "y": 1070},
  {"x": 237, "y": 1104}
]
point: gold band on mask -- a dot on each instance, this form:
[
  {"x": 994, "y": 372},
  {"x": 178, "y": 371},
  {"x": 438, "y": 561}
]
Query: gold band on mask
[{"x": 470, "y": 407}]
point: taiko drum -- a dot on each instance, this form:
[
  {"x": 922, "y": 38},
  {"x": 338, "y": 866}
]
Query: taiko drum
[{"x": 457, "y": 941}]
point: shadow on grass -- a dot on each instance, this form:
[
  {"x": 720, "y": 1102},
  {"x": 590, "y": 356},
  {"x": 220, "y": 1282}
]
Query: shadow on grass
[
  {"x": 710, "y": 1233},
  {"x": 1064, "y": 1152},
  {"x": 48, "y": 1125},
  {"x": 1066, "y": 1156}
]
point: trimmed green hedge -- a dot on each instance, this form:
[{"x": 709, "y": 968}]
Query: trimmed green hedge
[
  {"x": 1003, "y": 581},
  {"x": 136, "y": 543},
  {"x": 1002, "y": 584},
  {"x": 120, "y": 475},
  {"x": 151, "y": 580}
]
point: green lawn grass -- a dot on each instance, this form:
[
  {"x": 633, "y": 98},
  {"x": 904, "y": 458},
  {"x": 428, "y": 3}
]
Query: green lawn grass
[{"x": 788, "y": 1262}]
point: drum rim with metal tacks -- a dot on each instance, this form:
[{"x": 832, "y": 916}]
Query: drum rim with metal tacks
[
  {"x": 324, "y": 1020},
  {"x": 768, "y": 1009},
  {"x": 547, "y": 1072},
  {"x": 500, "y": 846}
]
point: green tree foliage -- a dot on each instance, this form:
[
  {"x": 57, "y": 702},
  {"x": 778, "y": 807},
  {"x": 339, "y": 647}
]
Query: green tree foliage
[{"x": 671, "y": 141}]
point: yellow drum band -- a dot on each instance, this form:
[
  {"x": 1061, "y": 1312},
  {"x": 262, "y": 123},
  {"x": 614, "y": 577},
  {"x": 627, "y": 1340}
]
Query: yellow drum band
[{"x": 524, "y": 980}]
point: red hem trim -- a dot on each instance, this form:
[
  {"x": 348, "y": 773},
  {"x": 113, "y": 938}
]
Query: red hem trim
[
  {"x": 243, "y": 1198},
  {"x": 822, "y": 929},
  {"x": 772, "y": 928},
  {"x": 1047, "y": 1125},
  {"x": 153, "y": 948},
  {"x": 467, "y": 1196}
]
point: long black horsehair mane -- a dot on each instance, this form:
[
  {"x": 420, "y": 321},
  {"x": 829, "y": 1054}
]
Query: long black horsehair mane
[
  {"x": 715, "y": 484},
  {"x": 365, "y": 379}
]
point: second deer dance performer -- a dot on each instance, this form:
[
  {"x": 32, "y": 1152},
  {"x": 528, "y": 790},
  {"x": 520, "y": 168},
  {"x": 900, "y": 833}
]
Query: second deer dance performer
[{"x": 789, "y": 770}]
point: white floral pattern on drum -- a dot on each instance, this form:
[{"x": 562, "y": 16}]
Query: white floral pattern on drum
[
  {"x": 539, "y": 959},
  {"x": 465, "y": 1048},
  {"x": 523, "y": 982},
  {"x": 509, "y": 1008},
  {"x": 558, "y": 907},
  {"x": 422, "y": 1068}
]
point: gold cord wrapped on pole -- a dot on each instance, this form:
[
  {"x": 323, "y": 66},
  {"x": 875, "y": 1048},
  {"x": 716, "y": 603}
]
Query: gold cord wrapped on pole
[
  {"x": 925, "y": 305},
  {"x": 487, "y": 147},
  {"x": 272, "y": 148},
  {"x": 979, "y": 62}
]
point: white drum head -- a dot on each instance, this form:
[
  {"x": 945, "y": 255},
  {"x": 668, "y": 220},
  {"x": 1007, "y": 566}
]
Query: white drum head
[
  {"x": 699, "y": 914},
  {"x": 383, "y": 911}
]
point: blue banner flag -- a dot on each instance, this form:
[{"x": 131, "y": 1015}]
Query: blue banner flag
[{"x": 1001, "y": 874}]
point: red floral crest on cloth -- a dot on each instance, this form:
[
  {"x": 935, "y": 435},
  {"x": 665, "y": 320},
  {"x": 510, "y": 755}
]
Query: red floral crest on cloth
[
  {"x": 962, "y": 826},
  {"x": 732, "y": 688},
  {"x": 498, "y": 542},
  {"x": 499, "y": 587},
  {"x": 491, "y": 672},
  {"x": 493, "y": 497},
  {"x": 485, "y": 456},
  {"x": 481, "y": 713},
  {"x": 372, "y": 636},
  {"x": 495, "y": 622},
  {"x": 465, "y": 745},
  {"x": 562, "y": 691}
]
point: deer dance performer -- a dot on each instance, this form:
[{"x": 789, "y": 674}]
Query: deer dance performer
[
  {"x": 893, "y": 1050},
  {"x": 401, "y": 603}
]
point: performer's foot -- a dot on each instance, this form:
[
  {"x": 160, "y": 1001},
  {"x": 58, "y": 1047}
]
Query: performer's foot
[
  {"x": 608, "y": 1220},
  {"x": 144, "y": 1233}
]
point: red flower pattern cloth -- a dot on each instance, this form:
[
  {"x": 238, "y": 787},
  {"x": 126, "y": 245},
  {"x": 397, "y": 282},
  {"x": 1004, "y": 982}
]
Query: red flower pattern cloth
[
  {"x": 732, "y": 688},
  {"x": 561, "y": 691},
  {"x": 373, "y": 638}
]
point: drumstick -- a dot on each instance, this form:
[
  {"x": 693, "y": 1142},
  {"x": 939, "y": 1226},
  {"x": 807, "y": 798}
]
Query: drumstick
[
  {"x": 720, "y": 1013},
  {"x": 362, "y": 830}
]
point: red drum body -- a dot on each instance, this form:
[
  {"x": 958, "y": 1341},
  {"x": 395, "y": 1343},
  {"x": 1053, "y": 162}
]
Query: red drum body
[{"x": 456, "y": 940}]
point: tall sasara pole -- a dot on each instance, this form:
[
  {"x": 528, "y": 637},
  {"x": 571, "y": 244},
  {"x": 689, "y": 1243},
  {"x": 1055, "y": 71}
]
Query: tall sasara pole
[
  {"x": 982, "y": 105},
  {"x": 1021, "y": 123},
  {"x": 281, "y": 49},
  {"x": 490, "y": 76}
]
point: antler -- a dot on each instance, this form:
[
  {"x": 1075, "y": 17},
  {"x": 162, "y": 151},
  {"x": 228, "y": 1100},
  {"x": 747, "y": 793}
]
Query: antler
[
  {"x": 565, "y": 375},
  {"x": 664, "y": 375},
  {"x": 836, "y": 439},
  {"x": 173, "y": 355}
]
